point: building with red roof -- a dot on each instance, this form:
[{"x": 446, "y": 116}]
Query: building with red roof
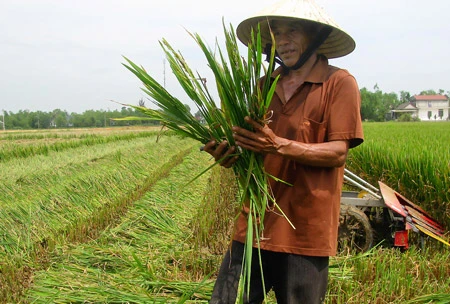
[{"x": 425, "y": 107}]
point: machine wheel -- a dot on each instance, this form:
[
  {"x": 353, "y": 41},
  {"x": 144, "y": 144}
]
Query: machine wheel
[{"x": 355, "y": 234}]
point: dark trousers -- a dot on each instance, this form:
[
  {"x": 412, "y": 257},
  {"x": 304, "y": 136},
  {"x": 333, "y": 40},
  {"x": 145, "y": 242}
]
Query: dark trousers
[{"x": 295, "y": 279}]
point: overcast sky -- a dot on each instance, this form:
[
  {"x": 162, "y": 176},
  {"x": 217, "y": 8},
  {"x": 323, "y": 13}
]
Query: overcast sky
[{"x": 67, "y": 54}]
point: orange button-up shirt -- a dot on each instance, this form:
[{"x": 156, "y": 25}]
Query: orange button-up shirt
[{"x": 325, "y": 108}]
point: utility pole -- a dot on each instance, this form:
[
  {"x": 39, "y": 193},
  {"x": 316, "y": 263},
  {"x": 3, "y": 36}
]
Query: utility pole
[
  {"x": 3, "y": 120},
  {"x": 164, "y": 72}
]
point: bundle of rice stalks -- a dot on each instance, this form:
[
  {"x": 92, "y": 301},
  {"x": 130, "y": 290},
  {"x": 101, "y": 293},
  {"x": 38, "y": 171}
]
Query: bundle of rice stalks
[{"x": 241, "y": 93}]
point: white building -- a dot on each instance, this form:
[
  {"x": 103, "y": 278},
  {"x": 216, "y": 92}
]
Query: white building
[{"x": 425, "y": 107}]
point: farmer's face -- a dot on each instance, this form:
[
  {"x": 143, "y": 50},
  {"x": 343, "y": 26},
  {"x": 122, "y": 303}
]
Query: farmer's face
[{"x": 290, "y": 41}]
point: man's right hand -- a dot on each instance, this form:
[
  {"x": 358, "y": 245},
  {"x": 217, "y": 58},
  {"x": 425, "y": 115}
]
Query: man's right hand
[{"x": 222, "y": 152}]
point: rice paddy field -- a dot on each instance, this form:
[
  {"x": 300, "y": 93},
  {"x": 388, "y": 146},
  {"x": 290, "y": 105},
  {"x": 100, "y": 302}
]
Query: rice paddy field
[{"x": 125, "y": 215}]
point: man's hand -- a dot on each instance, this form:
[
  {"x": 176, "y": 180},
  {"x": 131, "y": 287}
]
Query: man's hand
[
  {"x": 261, "y": 140},
  {"x": 222, "y": 152}
]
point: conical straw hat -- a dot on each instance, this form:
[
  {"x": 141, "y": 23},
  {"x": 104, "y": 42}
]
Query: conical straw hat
[{"x": 338, "y": 43}]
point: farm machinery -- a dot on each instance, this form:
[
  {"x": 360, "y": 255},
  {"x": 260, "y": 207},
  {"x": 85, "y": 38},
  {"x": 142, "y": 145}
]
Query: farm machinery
[{"x": 381, "y": 214}]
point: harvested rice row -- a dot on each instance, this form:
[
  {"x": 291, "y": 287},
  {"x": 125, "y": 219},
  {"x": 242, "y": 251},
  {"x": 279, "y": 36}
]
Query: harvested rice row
[
  {"x": 17, "y": 149},
  {"x": 76, "y": 206},
  {"x": 143, "y": 259},
  {"x": 39, "y": 210}
]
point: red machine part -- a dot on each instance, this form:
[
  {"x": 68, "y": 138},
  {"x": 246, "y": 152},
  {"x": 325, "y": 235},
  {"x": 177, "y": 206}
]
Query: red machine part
[{"x": 415, "y": 217}]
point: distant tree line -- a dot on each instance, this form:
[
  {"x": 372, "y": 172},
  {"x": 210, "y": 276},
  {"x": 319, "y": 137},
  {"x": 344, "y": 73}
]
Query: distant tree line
[
  {"x": 25, "y": 119},
  {"x": 375, "y": 106}
]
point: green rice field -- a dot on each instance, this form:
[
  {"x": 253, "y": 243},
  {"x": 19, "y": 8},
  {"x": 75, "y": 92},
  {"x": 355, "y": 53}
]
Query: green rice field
[{"x": 125, "y": 215}]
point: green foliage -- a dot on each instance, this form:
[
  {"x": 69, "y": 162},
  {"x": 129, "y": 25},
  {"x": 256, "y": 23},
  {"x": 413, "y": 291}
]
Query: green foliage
[
  {"x": 375, "y": 106},
  {"x": 23, "y": 120},
  {"x": 429, "y": 92},
  {"x": 405, "y": 117},
  {"x": 392, "y": 276},
  {"x": 404, "y": 96}
]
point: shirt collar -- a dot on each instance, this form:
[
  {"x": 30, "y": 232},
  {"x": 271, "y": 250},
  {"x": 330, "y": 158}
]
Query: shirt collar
[{"x": 318, "y": 74}]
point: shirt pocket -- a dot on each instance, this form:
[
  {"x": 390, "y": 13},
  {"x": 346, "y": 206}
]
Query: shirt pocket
[{"x": 311, "y": 131}]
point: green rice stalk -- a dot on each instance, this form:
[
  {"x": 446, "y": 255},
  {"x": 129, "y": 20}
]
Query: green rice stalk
[
  {"x": 241, "y": 93},
  {"x": 443, "y": 298}
]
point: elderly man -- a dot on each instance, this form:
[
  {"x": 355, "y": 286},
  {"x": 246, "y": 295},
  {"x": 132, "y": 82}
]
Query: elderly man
[{"x": 316, "y": 120}]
